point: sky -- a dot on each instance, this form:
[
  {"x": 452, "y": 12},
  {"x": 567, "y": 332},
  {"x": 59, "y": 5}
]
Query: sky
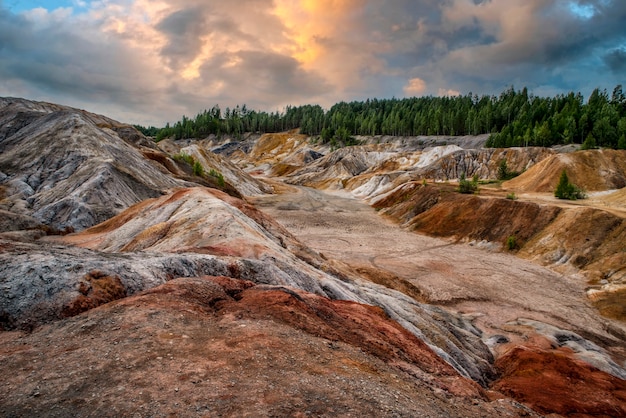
[{"x": 151, "y": 61}]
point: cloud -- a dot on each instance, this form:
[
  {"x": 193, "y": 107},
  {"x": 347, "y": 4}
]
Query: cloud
[
  {"x": 415, "y": 87},
  {"x": 616, "y": 60},
  {"x": 448, "y": 93},
  {"x": 184, "y": 30},
  {"x": 150, "y": 61}
]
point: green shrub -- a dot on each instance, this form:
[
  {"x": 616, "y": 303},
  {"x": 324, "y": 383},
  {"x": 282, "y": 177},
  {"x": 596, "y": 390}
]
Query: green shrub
[
  {"x": 567, "y": 190},
  {"x": 198, "y": 170},
  {"x": 504, "y": 173},
  {"x": 467, "y": 186},
  {"x": 218, "y": 176},
  {"x": 511, "y": 243},
  {"x": 511, "y": 196},
  {"x": 589, "y": 143}
]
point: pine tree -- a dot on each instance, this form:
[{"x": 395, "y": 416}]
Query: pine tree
[{"x": 590, "y": 143}]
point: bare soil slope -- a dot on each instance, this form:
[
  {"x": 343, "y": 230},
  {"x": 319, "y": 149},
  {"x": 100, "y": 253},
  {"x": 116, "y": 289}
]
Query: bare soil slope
[
  {"x": 336, "y": 312},
  {"x": 202, "y": 221},
  {"x": 68, "y": 168},
  {"x": 217, "y": 346},
  {"x": 500, "y": 286},
  {"x": 593, "y": 170}
]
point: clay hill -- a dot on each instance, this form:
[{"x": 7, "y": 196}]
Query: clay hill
[{"x": 273, "y": 276}]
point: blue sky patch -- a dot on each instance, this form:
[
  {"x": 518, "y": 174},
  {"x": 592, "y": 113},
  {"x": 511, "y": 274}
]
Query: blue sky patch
[{"x": 17, "y": 6}]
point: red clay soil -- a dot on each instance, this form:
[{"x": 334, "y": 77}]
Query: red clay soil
[
  {"x": 552, "y": 381},
  {"x": 224, "y": 347},
  {"x": 439, "y": 210},
  {"x": 363, "y": 326},
  {"x": 96, "y": 288}
]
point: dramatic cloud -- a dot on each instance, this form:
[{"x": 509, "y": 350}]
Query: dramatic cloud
[{"x": 150, "y": 61}]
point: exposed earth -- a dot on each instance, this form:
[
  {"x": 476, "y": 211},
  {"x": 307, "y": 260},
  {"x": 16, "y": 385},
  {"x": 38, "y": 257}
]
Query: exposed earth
[{"x": 273, "y": 276}]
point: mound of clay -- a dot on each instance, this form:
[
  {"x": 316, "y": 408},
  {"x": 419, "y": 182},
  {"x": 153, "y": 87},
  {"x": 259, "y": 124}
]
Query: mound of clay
[
  {"x": 553, "y": 381},
  {"x": 593, "y": 170}
]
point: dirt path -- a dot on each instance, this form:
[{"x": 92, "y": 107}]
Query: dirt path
[
  {"x": 611, "y": 201},
  {"x": 493, "y": 287}
]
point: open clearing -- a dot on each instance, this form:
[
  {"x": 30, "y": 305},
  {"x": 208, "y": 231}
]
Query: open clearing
[{"x": 491, "y": 286}]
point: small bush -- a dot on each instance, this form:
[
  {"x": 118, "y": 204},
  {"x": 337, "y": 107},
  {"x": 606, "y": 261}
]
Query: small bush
[
  {"x": 467, "y": 186},
  {"x": 511, "y": 243},
  {"x": 589, "y": 143},
  {"x": 186, "y": 158},
  {"x": 567, "y": 190},
  {"x": 511, "y": 196},
  {"x": 218, "y": 176},
  {"x": 198, "y": 170},
  {"x": 504, "y": 173}
]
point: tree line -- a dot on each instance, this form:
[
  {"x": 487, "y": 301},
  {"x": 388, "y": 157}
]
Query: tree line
[{"x": 514, "y": 118}]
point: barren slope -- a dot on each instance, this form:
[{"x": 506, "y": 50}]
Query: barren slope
[
  {"x": 209, "y": 222},
  {"x": 70, "y": 168},
  {"x": 594, "y": 170},
  {"x": 215, "y": 346},
  {"x": 372, "y": 170},
  {"x": 333, "y": 313}
]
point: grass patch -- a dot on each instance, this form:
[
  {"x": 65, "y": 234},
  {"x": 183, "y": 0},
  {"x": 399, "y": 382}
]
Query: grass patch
[
  {"x": 218, "y": 176},
  {"x": 184, "y": 158}
]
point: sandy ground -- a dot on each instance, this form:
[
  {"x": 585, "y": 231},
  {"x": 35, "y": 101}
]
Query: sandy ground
[{"x": 492, "y": 287}]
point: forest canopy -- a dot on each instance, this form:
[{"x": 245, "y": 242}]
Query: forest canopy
[{"x": 514, "y": 118}]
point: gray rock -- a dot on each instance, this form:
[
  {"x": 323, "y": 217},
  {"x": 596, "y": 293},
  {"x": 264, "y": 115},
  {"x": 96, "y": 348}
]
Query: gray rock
[{"x": 70, "y": 168}]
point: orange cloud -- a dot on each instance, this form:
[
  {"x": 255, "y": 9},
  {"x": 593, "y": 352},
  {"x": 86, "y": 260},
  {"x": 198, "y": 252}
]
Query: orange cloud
[
  {"x": 310, "y": 21},
  {"x": 327, "y": 37},
  {"x": 415, "y": 87}
]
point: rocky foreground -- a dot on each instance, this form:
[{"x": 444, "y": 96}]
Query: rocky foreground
[{"x": 135, "y": 284}]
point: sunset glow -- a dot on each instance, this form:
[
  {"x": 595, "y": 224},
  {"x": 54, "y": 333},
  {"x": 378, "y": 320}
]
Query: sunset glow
[{"x": 154, "y": 60}]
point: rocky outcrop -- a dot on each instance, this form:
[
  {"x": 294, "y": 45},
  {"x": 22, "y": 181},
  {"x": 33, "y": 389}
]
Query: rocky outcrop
[
  {"x": 331, "y": 171},
  {"x": 483, "y": 163},
  {"x": 372, "y": 170},
  {"x": 68, "y": 168}
]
